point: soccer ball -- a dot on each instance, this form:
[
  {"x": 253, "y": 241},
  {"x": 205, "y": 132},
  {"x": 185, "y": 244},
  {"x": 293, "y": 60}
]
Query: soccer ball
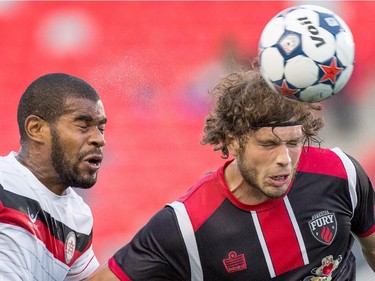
[{"x": 306, "y": 53}]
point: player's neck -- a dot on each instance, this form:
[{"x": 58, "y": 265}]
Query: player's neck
[
  {"x": 239, "y": 187},
  {"x": 42, "y": 170}
]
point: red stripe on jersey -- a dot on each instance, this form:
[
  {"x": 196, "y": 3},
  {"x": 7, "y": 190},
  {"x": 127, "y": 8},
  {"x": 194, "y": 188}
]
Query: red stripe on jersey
[
  {"x": 202, "y": 196},
  {"x": 281, "y": 239},
  {"x": 367, "y": 233},
  {"x": 83, "y": 269},
  {"x": 40, "y": 230},
  {"x": 321, "y": 161},
  {"x": 113, "y": 266}
]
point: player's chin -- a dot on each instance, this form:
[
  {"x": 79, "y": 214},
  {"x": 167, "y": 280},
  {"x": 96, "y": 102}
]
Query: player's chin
[
  {"x": 88, "y": 171},
  {"x": 87, "y": 181},
  {"x": 277, "y": 192}
]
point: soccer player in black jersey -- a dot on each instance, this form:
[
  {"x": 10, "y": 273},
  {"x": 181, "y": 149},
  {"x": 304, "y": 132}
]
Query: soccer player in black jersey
[{"x": 281, "y": 208}]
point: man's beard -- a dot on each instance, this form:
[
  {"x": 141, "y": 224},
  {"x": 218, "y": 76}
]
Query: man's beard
[
  {"x": 69, "y": 173},
  {"x": 250, "y": 176}
]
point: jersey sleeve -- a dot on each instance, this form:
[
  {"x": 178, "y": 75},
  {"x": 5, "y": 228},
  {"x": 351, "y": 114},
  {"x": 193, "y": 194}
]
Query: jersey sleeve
[
  {"x": 83, "y": 266},
  {"x": 13, "y": 265},
  {"x": 363, "y": 221},
  {"x": 157, "y": 252}
]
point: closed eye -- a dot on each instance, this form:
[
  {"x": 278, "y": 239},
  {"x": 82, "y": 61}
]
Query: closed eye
[
  {"x": 83, "y": 126},
  {"x": 268, "y": 144},
  {"x": 293, "y": 143}
]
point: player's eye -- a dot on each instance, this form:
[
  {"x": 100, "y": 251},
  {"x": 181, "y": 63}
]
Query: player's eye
[
  {"x": 83, "y": 126},
  {"x": 101, "y": 129},
  {"x": 268, "y": 144},
  {"x": 293, "y": 143}
]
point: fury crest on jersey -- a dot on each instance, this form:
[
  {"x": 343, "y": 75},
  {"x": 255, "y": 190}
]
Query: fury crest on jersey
[{"x": 323, "y": 226}]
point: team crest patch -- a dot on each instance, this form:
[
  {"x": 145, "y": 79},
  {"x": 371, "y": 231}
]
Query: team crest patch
[
  {"x": 323, "y": 226},
  {"x": 235, "y": 262},
  {"x": 70, "y": 247}
]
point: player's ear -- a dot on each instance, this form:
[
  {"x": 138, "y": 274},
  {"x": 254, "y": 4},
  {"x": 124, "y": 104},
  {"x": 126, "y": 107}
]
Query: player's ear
[
  {"x": 36, "y": 128},
  {"x": 233, "y": 145}
]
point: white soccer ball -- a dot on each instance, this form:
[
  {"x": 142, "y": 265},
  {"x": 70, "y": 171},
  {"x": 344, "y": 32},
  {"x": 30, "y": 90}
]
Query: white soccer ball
[{"x": 306, "y": 53}]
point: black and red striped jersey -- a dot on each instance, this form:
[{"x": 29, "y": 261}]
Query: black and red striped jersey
[
  {"x": 305, "y": 236},
  {"x": 43, "y": 236}
]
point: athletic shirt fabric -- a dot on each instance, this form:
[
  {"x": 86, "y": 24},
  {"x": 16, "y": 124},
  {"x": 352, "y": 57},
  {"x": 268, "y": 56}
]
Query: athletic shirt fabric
[
  {"x": 43, "y": 236},
  {"x": 305, "y": 236}
]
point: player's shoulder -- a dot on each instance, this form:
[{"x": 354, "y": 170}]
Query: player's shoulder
[
  {"x": 10, "y": 167},
  {"x": 7, "y": 162},
  {"x": 326, "y": 161},
  {"x": 210, "y": 184},
  {"x": 163, "y": 222},
  {"x": 313, "y": 152},
  {"x": 11, "y": 172},
  {"x": 164, "y": 214}
]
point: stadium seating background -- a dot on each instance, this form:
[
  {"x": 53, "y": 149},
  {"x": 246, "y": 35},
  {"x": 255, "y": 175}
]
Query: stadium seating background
[{"x": 153, "y": 63}]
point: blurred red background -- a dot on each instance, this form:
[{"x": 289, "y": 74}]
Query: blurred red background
[{"x": 152, "y": 63}]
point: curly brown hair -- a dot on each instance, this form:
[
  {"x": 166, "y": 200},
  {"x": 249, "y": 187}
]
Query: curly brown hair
[{"x": 244, "y": 101}]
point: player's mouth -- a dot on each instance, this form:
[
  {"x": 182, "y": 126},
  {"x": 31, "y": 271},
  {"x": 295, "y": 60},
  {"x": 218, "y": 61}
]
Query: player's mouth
[
  {"x": 93, "y": 161},
  {"x": 279, "y": 180}
]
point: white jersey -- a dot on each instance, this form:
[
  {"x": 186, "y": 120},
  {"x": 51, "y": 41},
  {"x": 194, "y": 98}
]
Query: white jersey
[{"x": 43, "y": 236}]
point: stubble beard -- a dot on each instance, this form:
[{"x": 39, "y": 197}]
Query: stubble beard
[
  {"x": 69, "y": 173},
  {"x": 250, "y": 176}
]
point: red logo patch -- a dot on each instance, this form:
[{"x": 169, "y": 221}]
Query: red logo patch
[{"x": 235, "y": 262}]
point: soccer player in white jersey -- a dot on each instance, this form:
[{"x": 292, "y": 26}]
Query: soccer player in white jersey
[{"x": 45, "y": 226}]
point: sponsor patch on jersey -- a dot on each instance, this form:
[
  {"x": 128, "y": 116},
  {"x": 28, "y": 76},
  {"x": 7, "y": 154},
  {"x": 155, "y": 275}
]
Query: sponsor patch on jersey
[
  {"x": 70, "y": 247},
  {"x": 324, "y": 272},
  {"x": 235, "y": 262},
  {"x": 323, "y": 226}
]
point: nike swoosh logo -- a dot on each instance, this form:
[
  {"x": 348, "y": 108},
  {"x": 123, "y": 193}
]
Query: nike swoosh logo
[{"x": 32, "y": 217}]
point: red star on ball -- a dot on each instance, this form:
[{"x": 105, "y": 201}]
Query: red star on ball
[
  {"x": 285, "y": 91},
  {"x": 331, "y": 71}
]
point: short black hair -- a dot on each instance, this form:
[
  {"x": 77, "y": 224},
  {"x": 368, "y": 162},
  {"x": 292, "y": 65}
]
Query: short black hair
[{"x": 45, "y": 97}]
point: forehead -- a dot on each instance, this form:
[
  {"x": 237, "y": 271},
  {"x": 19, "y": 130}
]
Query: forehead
[
  {"x": 80, "y": 106},
  {"x": 281, "y": 133}
]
